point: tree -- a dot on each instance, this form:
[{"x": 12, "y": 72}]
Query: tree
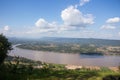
[{"x": 5, "y": 47}]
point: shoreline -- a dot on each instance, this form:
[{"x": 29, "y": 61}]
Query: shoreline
[
  {"x": 67, "y": 66},
  {"x": 77, "y": 67},
  {"x": 97, "y": 53},
  {"x": 73, "y": 67}
]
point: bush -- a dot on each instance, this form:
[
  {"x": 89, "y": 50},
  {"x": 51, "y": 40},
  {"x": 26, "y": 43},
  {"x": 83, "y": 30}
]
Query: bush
[{"x": 5, "y": 46}]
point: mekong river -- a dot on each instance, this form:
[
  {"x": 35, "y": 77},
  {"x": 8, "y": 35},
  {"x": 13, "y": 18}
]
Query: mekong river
[{"x": 66, "y": 58}]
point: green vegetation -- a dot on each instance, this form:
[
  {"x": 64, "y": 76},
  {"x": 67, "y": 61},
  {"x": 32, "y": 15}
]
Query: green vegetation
[
  {"x": 60, "y": 47},
  {"x": 89, "y": 49},
  {"x": 18, "y": 69},
  {"x": 5, "y": 46}
]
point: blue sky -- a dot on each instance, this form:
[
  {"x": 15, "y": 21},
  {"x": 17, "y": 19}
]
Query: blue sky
[{"x": 60, "y": 18}]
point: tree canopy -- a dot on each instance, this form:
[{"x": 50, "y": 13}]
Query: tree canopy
[{"x": 5, "y": 47}]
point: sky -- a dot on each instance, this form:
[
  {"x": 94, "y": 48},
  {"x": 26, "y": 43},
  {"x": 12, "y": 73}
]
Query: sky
[{"x": 60, "y": 18}]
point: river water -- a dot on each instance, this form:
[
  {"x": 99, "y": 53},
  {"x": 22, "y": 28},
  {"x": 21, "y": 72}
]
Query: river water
[{"x": 66, "y": 58}]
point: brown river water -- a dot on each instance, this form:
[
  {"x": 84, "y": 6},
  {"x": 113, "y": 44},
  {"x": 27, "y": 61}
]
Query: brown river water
[{"x": 67, "y": 58}]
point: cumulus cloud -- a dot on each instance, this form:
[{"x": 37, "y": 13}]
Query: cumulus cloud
[
  {"x": 73, "y": 17},
  {"x": 111, "y": 23},
  {"x": 44, "y": 26},
  {"x": 6, "y": 28},
  {"x": 73, "y": 20},
  {"x": 108, "y": 27},
  {"x": 42, "y": 23},
  {"x": 82, "y": 2},
  {"x": 113, "y": 20}
]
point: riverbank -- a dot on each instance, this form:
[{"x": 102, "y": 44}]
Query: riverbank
[
  {"x": 76, "y": 67},
  {"x": 73, "y": 67},
  {"x": 39, "y": 64}
]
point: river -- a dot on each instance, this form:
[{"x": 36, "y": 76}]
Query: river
[{"x": 66, "y": 58}]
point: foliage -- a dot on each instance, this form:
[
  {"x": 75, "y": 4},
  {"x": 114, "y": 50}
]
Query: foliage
[
  {"x": 60, "y": 47},
  {"x": 112, "y": 77},
  {"x": 5, "y": 46}
]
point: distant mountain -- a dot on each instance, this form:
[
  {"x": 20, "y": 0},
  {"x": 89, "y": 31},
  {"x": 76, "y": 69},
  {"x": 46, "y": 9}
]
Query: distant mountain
[{"x": 98, "y": 42}]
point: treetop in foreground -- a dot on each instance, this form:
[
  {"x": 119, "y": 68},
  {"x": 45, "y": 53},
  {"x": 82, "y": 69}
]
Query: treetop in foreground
[{"x": 5, "y": 47}]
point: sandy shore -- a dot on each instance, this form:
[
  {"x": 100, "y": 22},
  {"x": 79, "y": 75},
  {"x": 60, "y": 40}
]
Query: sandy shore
[{"x": 90, "y": 67}]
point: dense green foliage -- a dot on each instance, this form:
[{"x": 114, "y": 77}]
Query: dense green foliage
[{"x": 5, "y": 46}]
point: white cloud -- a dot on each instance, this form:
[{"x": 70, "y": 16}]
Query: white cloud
[
  {"x": 42, "y": 23},
  {"x": 82, "y": 2},
  {"x": 6, "y": 28},
  {"x": 73, "y": 17},
  {"x": 113, "y": 20},
  {"x": 111, "y": 23},
  {"x": 66, "y": 28},
  {"x": 108, "y": 27},
  {"x": 119, "y": 33},
  {"x": 43, "y": 26}
]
